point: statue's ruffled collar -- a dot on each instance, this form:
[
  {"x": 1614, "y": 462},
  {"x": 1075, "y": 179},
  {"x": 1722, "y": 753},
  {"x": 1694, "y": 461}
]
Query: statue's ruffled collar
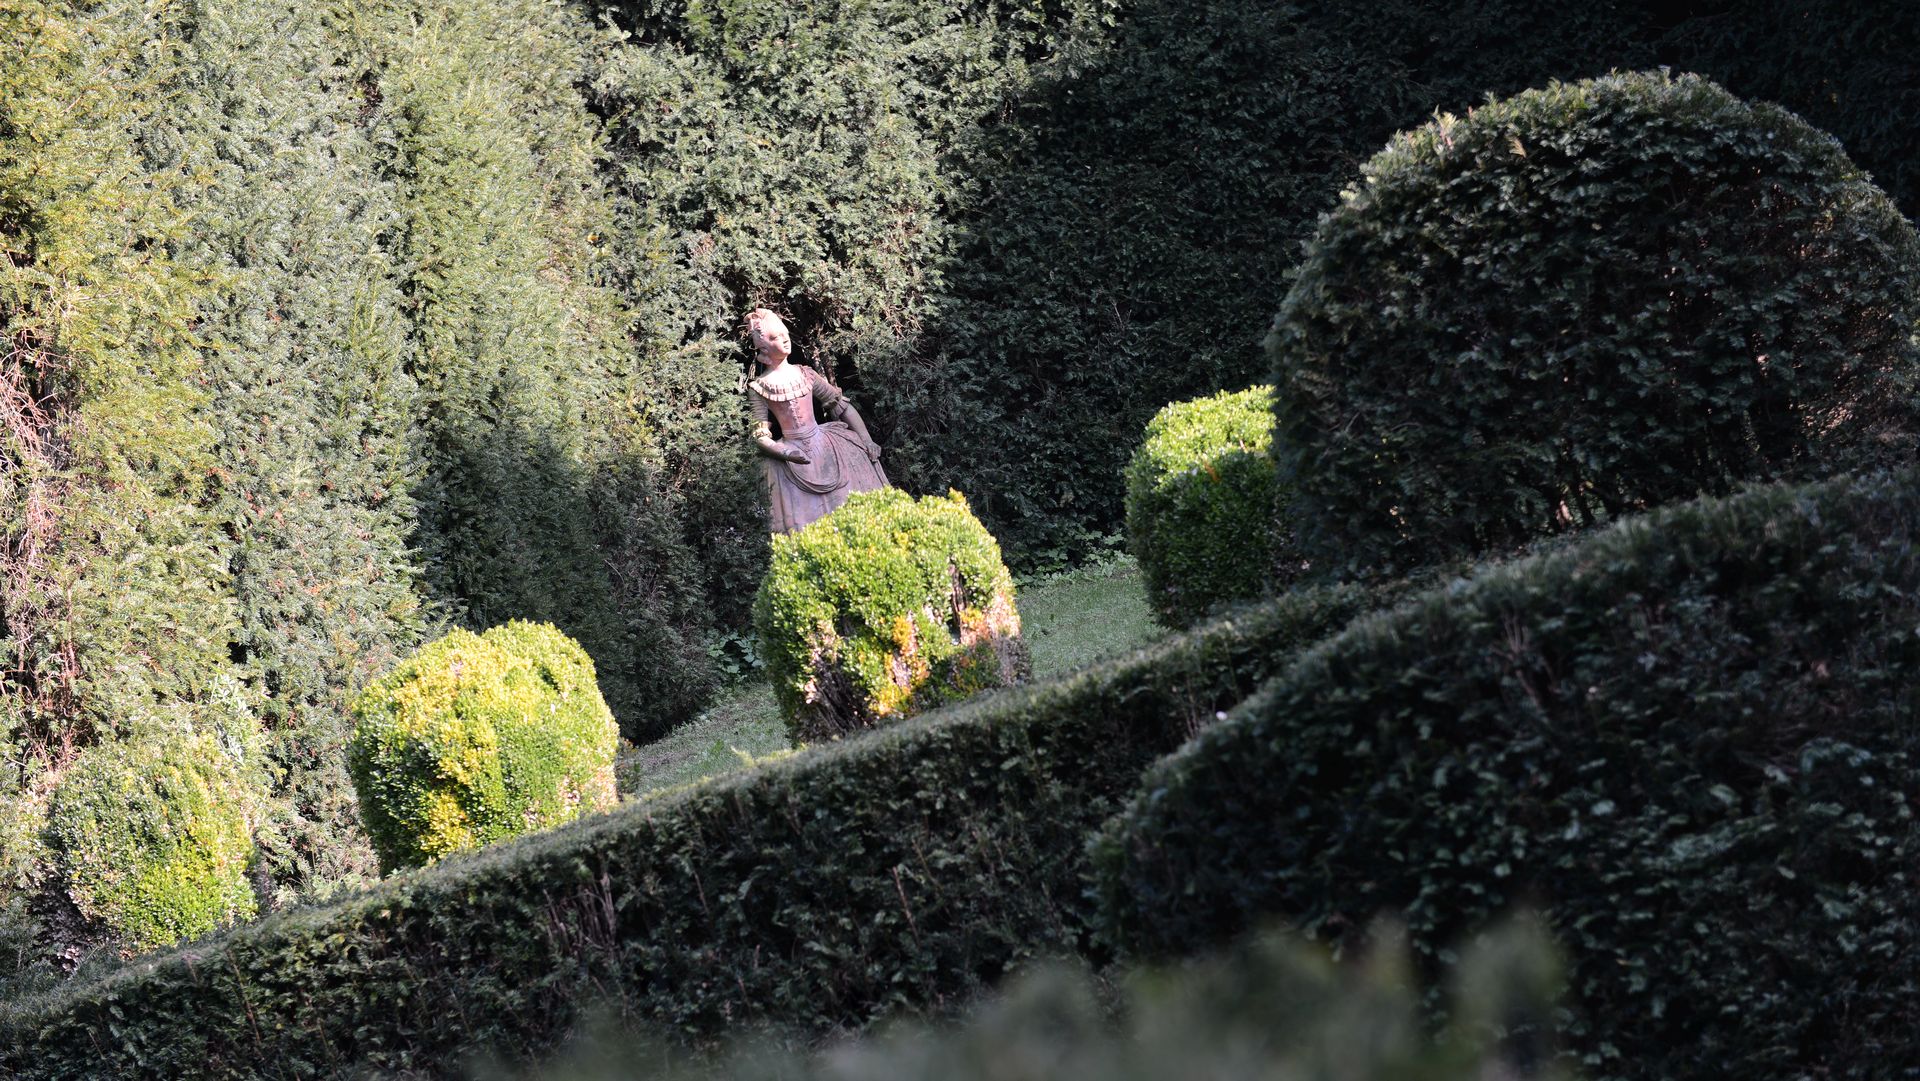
[{"x": 783, "y": 384}]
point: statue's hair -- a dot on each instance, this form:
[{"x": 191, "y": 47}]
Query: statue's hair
[{"x": 760, "y": 315}]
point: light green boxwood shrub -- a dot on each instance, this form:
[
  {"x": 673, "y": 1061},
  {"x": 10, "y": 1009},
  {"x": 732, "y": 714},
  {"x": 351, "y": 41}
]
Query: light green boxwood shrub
[
  {"x": 1582, "y": 302},
  {"x": 154, "y": 840},
  {"x": 1201, "y": 493},
  {"x": 886, "y": 607},
  {"x": 478, "y": 737}
]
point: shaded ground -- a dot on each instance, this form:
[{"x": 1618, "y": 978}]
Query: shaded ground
[{"x": 1068, "y": 620}]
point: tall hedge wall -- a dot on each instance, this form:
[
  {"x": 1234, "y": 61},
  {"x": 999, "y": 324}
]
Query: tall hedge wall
[
  {"x": 541, "y": 499},
  {"x": 1044, "y": 222},
  {"x": 117, "y": 607},
  {"x": 1688, "y": 741},
  {"x": 308, "y": 350},
  {"x": 281, "y": 394},
  {"x": 904, "y": 868}
]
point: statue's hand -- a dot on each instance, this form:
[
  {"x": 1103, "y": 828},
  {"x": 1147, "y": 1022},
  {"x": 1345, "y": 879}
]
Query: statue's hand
[
  {"x": 873, "y": 451},
  {"x": 797, "y": 457}
]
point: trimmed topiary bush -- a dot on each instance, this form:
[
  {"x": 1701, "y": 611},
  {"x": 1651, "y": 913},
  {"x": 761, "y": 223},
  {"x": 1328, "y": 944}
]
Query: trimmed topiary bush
[
  {"x": 1581, "y": 302},
  {"x": 153, "y": 838},
  {"x": 1200, "y": 503},
  {"x": 886, "y": 607},
  {"x": 479, "y": 737},
  {"x": 1688, "y": 739}
]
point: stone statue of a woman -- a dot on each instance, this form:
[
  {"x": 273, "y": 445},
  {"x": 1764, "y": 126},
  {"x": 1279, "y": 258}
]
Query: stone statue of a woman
[{"x": 824, "y": 453}]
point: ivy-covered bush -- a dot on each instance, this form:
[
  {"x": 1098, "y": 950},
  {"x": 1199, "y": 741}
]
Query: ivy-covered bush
[
  {"x": 1689, "y": 740},
  {"x": 153, "y": 838},
  {"x": 908, "y": 868},
  {"x": 1581, "y": 302},
  {"x": 885, "y": 608},
  {"x": 1201, "y": 493},
  {"x": 479, "y": 737}
]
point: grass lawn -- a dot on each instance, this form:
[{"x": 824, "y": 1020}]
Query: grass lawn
[{"x": 1068, "y": 620}]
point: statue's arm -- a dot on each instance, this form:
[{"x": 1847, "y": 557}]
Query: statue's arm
[
  {"x": 763, "y": 433},
  {"x": 835, "y": 406}
]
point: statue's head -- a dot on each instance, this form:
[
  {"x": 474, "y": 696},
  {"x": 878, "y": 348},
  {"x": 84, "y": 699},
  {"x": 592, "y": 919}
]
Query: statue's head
[{"x": 768, "y": 333}]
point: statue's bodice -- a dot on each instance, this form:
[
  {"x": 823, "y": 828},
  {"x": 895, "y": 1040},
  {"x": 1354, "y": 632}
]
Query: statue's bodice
[{"x": 795, "y": 415}]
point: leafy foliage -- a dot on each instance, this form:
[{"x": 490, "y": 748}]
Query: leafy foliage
[
  {"x": 802, "y": 157},
  {"x": 477, "y": 738},
  {"x": 153, "y": 838},
  {"x": 1201, "y": 494},
  {"x": 1134, "y": 214},
  {"x": 907, "y": 867},
  {"x": 114, "y": 590},
  {"x": 1272, "y": 1008},
  {"x": 1842, "y": 67},
  {"x": 1686, "y": 739},
  {"x": 886, "y": 607},
  {"x": 1046, "y": 221},
  {"x": 1583, "y": 301}
]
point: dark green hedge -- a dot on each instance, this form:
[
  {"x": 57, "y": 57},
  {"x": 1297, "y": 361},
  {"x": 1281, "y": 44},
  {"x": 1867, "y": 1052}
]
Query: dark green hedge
[
  {"x": 1137, "y": 212},
  {"x": 1268, "y": 1008},
  {"x": 905, "y": 868},
  {"x": 1201, "y": 493},
  {"x": 1580, "y": 302},
  {"x": 1689, "y": 740}
]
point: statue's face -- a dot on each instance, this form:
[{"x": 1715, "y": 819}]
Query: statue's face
[{"x": 771, "y": 343}]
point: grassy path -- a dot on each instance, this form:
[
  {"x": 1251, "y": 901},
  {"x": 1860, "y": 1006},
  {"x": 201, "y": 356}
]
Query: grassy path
[{"x": 1068, "y": 620}]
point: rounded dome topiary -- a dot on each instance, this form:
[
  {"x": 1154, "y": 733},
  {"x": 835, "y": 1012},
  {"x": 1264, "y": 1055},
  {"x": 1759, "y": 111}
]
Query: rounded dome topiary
[
  {"x": 1201, "y": 492},
  {"x": 886, "y": 607},
  {"x": 1580, "y": 302},
  {"x": 480, "y": 737},
  {"x": 154, "y": 839}
]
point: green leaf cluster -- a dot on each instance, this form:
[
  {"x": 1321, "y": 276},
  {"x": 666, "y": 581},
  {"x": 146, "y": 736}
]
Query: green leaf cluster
[
  {"x": 543, "y": 496},
  {"x": 885, "y": 608},
  {"x": 1580, "y": 302},
  {"x": 1201, "y": 493},
  {"x": 1686, "y": 739},
  {"x": 910, "y": 867},
  {"x": 307, "y": 351},
  {"x": 477, "y": 738}
]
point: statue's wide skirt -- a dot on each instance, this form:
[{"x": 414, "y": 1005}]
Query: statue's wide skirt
[{"x": 800, "y": 494}]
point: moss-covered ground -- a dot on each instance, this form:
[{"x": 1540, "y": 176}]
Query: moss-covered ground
[{"x": 1069, "y": 620}]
